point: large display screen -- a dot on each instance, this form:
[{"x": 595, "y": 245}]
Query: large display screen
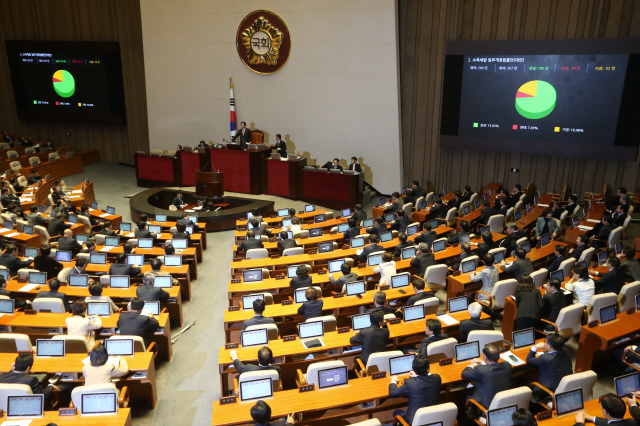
[
  {"x": 568, "y": 98},
  {"x": 67, "y": 81}
]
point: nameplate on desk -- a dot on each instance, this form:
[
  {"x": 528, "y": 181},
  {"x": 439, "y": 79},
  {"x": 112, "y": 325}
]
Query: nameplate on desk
[
  {"x": 303, "y": 237},
  {"x": 29, "y": 353},
  {"x": 361, "y": 266},
  {"x": 22, "y": 280},
  {"x": 287, "y": 302},
  {"x": 63, "y": 283},
  {"x": 234, "y": 308},
  {"x": 384, "y": 287},
  {"x": 379, "y": 375},
  {"x": 346, "y": 247},
  {"x": 275, "y": 256},
  {"x": 343, "y": 330},
  {"x": 313, "y": 252},
  {"x": 593, "y": 323},
  {"x": 456, "y": 273},
  {"x": 445, "y": 361},
  {"x": 273, "y": 216},
  {"x": 227, "y": 400},
  {"x": 322, "y": 272},
  {"x": 29, "y": 312},
  {"x": 504, "y": 348},
  {"x": 230, "y": 345},
  {"x": 394, "y": 321},
  {"x": 306, "y": 388},
  {"x": 236, "y": 281},
  {"x": 289, "y": 338},
  {"x": 442, "y": 312},
  {"x": 338, "y": 295},
  {"x": 301, "y": 212},
  {"x": 242, "y": 229},
  {"x": 333, "y": 232},
  {"x": 396, "y": 259},
  {"x": 280, "y": 277},
  {"x": 105, "y": 285},
  {"x": 237, "y": 259},
  {"x": 543, "y": 415},
  {"x": 73, "y": 411},
  {"x": 273, "y": 240},
  {"x": 631, "y": 310}
]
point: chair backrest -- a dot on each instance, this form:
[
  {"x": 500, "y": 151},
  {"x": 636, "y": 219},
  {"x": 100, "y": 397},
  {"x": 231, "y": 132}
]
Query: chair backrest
[
  {"x": 48, "y": 304},
  {"x": 30, "y": 150},
  {"x": 502, "y": 289},
  {"x": 445, "y": 413},
  {"x": 261, "y": 374},
  {"x": 34, "y": 161},
  {"x": 257, "y": 253},
  {"x": 418, "y": 202},
  {"x": 15, "y": 166},
  {"x": 600, "y": 301},
  {"x": 510, "y": 212},
  {"x": 539, "y": 277},
  {"x": 86, "y": 222},
  {"x": 104, "y": 279},
  {"x": 15, "y": 342},
  {"x": 408, "y": 210},
  {"x": 587, "y": 255},
  {"x": 138, "y": 342},
  {"x": 585, "y": 381},
  {"x": 328, "y": 320},
  {"x": 312, "y": 370},
  {"x": 293, "y": 251},
  {"x": 53, "y": 156},
  {"x": 520, "y": 396},
  {"x": 626, "y": 221},
  {"x": 626, "y": 298},
  {"x": 521, "y": 241},
  {"x": 173, "y": 208},
  {"x": 430, "y": 198},
  {"x": 436, "y": 274},
  {"x": 451, "y": 214},
  {"x": 44, "y": 234},
  {"x": 498, "y": 250},
  {"x": 23, "y": 181},
  {"x": 429, "y": 301},
  {"x": 473, "y": 197},
  {"x": 569, "y": 321},
  {"x": 496, "y": 223},
  {"x": 484, "y": 337},
  {"x": 518, "y": 206},
  {"x": 62, "y": 275},
  {"x": 466, "y": 259},
  {"x": 24, "y": 272},
  {"x": 463, "y": 205},
  {"x": 615, "y": 236},
  {"x": 7, "y": 390},
  {"x": 77, "y": 392},
  {"x": 100, "y": 239},
  {"x": 446, "y": 347},
  {"x": 272, "y": 330},
  {"x": 567, "y": 265},
  {"x": 73, "y": 344},
  {"x": 379, "y": 361}
]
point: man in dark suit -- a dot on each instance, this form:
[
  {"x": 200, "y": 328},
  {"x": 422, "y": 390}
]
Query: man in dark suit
[
  {"x": 188, "y": 222},
  {"x": 513, "y": 236},
  {"x": 371, "y": 248},
  {"x": 427, "y": 236},
  {"x": 347, "y": 276},
  {"x": 181, "y": 232},
  {"x": 280, "y": 146},
  {"x": 554, "y": 364},
  {"x": 602, "y": 237},
  {"x": 516, "y": 193},
  {"x": 335, "y": 165},
  {"x": 457, "y": 200},
  {"x": 629, "y": 264},
  {"x": 502, "y": 199},
  {"x": 258, "y": 309},
  {"x": 265, "y": 360},
  {"x": 353, "y": 230},
  {"x": 466, "y": 194},
  {"x": 378, "y": 228},
  {"x": 257, "y": 227},
  {"x": 486, "y": 213},
  {"x": 34, "y": 218},
  {"x": 122, "y": 268},
  {"x": 419, "y": 288},
  {"x": 475, "y": 323},
  {"x": 91, "y": 247},
  {"x": 244, "y": 134},
  {"x": 57, "y": 225},
  {"x": 178, "y": 201},
  {"x": 464, "y": 230},
  {"x": 11, "y": 261},
  {"x": 465, "y": 252},
  {"x": 312, "y": 307},
  {"x": 620, "y": 215},
  {"x": 84, "y": 211},
  {"x": 286, "y": 242},
  {"x": 612, "y": 281},
  {"x": 373, "y": 339},
  {"x": 421, "y": 388},
  {"x": 573, "y": 203},
  {"x": 520, "y": 266},
  {"x": 133, "y": 323},
  {"x": 433, "y": 330},
  {"x": 438, "y": 210},
  {"x": 402, "y": 237},
  {"x": 34, "y": 177},
  {"x": 491, "y": 378},
  {"x": 486, "y": 245},
  {"x": 401, "y": 222},
  {"x": 106, "y": 229},
  {"x": 261, "y": 414},
  {"x": 581, "y": 245},
  {"x": 559, "y": 257},
  {"x": 354, "y": 165},
  {"x": 423, "y": 259},
  {"x": 45, "y": 263},
  {"x": 379, "y": 304},
  {"x": 553, "y": 301},
  {"x": 148, "y": 292},
  {"x": 613, "y": 409},
  {"x": 250, "y": 242},
  {"x": 142, "y": 231},
  {"x": 503, "y": 206},
  {"x": 396, "y": 203},
  {"x": 19, "y": 375},
  {"x": 417, "y": 191},
  {"x": 68, "y": 243},
  {"x": 614, "y": 201},
  {"x": 359, "y": 214},
  {"x": 557, "y": 210},
  {"x": 409, "y": 197},
  {"x": 53, "y": 292}
]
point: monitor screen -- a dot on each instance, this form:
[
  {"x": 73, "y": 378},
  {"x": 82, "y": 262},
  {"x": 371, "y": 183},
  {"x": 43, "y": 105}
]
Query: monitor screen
[
  {"x": 123, "y": 347},
  {"x": 189, "y": 230},
  {"x": 638, "y": 302},
  {"x": 386, "y": 236},
  {"x": 498, "y": 256},
  {"x": 319, "y": 218},
  {"x": 367, "y": 223},
  {"x": 346, "y": 212},
  {"x": 283, "y": 212},
  {"x": 336, "y": 265},
  {"x": 78, "y": 280},
  {"x": 523, "y": 338},
  {"x": 389, "y": 217},
  {"x": 401, "y": 364},
  {"x": 466, "y": 351},
  {"x": 602, "y": 257},
  {"x": 608, "y": 313},
  {"x": 163, "y": 281},
  {"x": 501, "y": 416},
  {"x": 102, "y": 309},
  {"x": 25, "y": 406},
  {"x": 135, "y": 259},
  {"x": 119, "y": 281},
  {"x": 374, "y": 259},
  {"x": 99, "y": 403},
  {"x": 37, "y": 277},
  {"x": 576, "y": 220},
  {"x": 254, "y": 337},
  {"x": 330, "y": 377},
  {"x": 8, "y": 224},
  {"x": 516, "y": 215},
  {"x": 155, "y": 229},
  {"x": 466, "y": 210},
  {"x": 73, "y": 218},
  {"x": 315, "y": 232},
  {"x": 291, "y": 271},
  {"x": 311, "y": 329},
  {"x": 411, "y": 230},
  {"x": 82, "y": 238},
  {"x": 252, "y": 275},
  {"x": 112, "y": 241},
  {"x": 545, "y": 239},
  {"x": 360, "y": 321},
  {"x": 285, "y": 222},
  {"x": 400, "y": 280},
  {"x": 468, "y": 266},
  {"x": 174, "y": 260},
  {"x": 153, "y": 307},
  {"x": 146, "y": 243},
  {"x": 408, "y": 252},
  {"x": 382, "y": 201},
  {"x": 247, "y": 301},
  {"x": 7, "y": 306},
  {"x": 464, "y": 238},
  {"x": 41, "y": 208},
  {"x": 569, "y": 401},
  {"x": 111, "y": 210},
  {"x": 325, "y": 247},
  {"x": 476, "y": 204},
  {"x": 299, "y": 295},
  {"x": 342, "y": 228},
  {"x": 357, "y": 242},
  {"x": 434, "y": 223},
  {"x": 161, "y": 218},
  {"x": 94, "y": 205},
  {"x": 458, "y": 304},
  {"x": 485, "y": 229},
  {"x": 63, "y": 256},
  {"x": 559, "y": 274},
  {"x": 180, "y": 243},
  {"x": 27, "y": 229},
  {"x": 357, "y": 287},
  {"x": 627, "y": 384},
  {"x": 309, "y": 208},
  {"x": 249, "y": 215},
  {"x": 526, "y": 247},
  {"x": 412, "y": 313},
  {"x": 49, "y": 347},
  {"x": 439, "y": 245},
  {"x": 4, "y": 273},
  {"x": 31, "y": 252},
  {"x": 619, "y": 247},
  {"x": 256, "y": 389}
]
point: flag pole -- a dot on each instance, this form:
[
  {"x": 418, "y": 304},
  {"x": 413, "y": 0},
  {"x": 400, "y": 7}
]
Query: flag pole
[{"x": 232, "y": 111}]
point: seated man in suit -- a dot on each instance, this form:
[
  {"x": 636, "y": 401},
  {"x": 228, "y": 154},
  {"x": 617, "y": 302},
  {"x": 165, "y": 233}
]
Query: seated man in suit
[
  {"x": 421, "y": 388},
  {"x": 612, "y": 281},
  {"x": 148, "y": 292},
  {"x": 378, "y": 228},
  {"x": 261, "y": 414},
  {"x": 258, "y": 309},
  {"x": 286, "y": 242},
  {"x": 465, "y": 252},
  {"x": 553, "y": 302},
  {"x": 178, "y": 201},
  {"x": 188, "y": 222},
  {"x": 519, "y": 267},
  {"x": 438, "y": 210},
  {"x": 557, "y": 210},
  {"x": 57, "y": 225},
  {"x": 56, "y": 195},
  {"x": 409, "y": 197},
  {"x": 244, "y": 135},
  {"x": 490, "y": 378},
  {"x": 122, "y": 268},
  {"x": 90, "y": 246},
  {"x": 379, "y": 304},
  {"x": 19, "y": 303},
  {"x": 34, "y": 218},
  {"x": 420, "y": 293},
  {"x": 629, "y": 264},
  {"x": 433, "y": 331},
  {"x": 464, "y": 230},
  {"x": 503, "y": 206},
  {"x": 416, "y": 190},
  {"x": 142, "y": 231},
  {"x": 81, "y": 266},
  {"x": 401, "y": 222},
  {"x": 106, "y": 229},
  {"x": 53, "y": 292},
  {"x": 486, "y": 245},
  {"x": 513, "y": 235},
  {"x": 84, "y": 211},
  {"x": 69, "y": 243},
  {"x": 581, "y": 245},
  {"x": 614, "y": 201},
  {"x": 423, "y": 259},
  {"x": 257, "y": 227},
  {"x": 427, "y": 236},
  {"x": 373, "y": 339},
  {"x": 467, "y": 193},
  {"x": 133, "y": 323},
  {"x": 502, "y": 196},
  {"x": 396, "y": 203},
  {"x": 250, "y": 242},
  {"x": 557, "y": 259},
  {"x": 354, "y": 165},
  {"x": 335, "y": 165},
  {"x": 347, "y": 276},
  {"x": 11, "y": 261},
  {"x": 600, "y": 239},
  {"x": 620, "y": 215},
  {"x": 19, "y": 375},
  {"x": 554, "y": 364},
  {"x": 485, "y": 214},
  {"x": 572, "y": 204},
  {"x": 359, "y": 214},
  {"x": 265, "y": 362},
  {"x": 353, "y": 231},
  {"x": 181, "y": 232},
  {"x": 456, "y": 201},
  {"x": 156, "y": 270},
  {"x": 402, "y": 237},
  {"x": 34, "y": 177},
  {"x": 45, "y": 263},
  {"x": 371, "y": 248},
  {"x": 613, "y": 410},
  {"x": 474, "y": 323},
  {"x": 280, "y": 146},
  {"x": 545, "y": 225},
  {"x": 516, "y": 193}
]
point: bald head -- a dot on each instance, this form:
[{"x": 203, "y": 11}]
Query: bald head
[{"x": 68, "y": 233}]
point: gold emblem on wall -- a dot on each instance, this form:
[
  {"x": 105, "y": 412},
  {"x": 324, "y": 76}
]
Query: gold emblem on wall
[{"x": 263, "y": 42}]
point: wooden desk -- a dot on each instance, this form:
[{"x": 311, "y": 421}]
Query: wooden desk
[
  {"x": 102, "y": 215},
  {"x": 242, "y": 170},
  {"x": 122, "y": 418},
  {"x": 595, "y": 213},
  {"x": 305, "y": 217},
  {"x": 334, "y": 190},
  {"x": 324, "y": 225},
  {"x": 422, "y": 215},
  {"x": 281, "y": 177},
  {"x": 22, "y": 240}
]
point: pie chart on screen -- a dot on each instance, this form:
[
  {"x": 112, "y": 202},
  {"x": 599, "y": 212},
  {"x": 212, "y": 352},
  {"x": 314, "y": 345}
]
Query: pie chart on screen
[
  {"x": 535, "y": 99},
  {"x": 63, "y": 83}
]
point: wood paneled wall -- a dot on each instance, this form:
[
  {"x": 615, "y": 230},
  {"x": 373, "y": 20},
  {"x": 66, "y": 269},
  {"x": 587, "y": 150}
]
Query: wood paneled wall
[
  {"x": 80, "y": 20},
  {"x": 425, "y": 26}
]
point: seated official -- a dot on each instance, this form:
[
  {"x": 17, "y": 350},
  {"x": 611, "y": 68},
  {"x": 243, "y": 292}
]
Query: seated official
[
  {"x": 133, "y": 323},
  {"x": 353, "y": 231},
  {"x": 427, "y": 236},
  {"x": 528, "y": 303},
  {"x": 629, "y": 264},
  {"x": 386, "y": 269},
  {"x": 485, "y": 214},
  {"x": 464, "y": 230},
  {"x": 128, "y": 248},
  {"x": 554, "y": 364},
  {"x": 250, "y": 242},
  {"x": 410, "y": 198},
  {"x": 378, "y": 228},
  {"x": 503, "y": 206},
  {"x": 599, "y": 239},
  {"x": 257, "y": 227},
  {"x": 178, "y": 201},
  {"x": 122, "y": 268},
  {"x": 456, "y": 201},
  {"x": 557, "y": 259},
  {"x": 557, "y": 210},
  {"x": 503, "y": 196},
  {"x": 516, "y": 193},
  {"x": 490, "y": 378},
  {"x": 84, "y": 211},
  {"x": 19, "y": 375},
  {"x": 80, "y": 325},
  {"x": 433, "y": 331},
  {"x": 142, "y": 231},
  {"x": 415, "y": 188},
  {"x": 379, "y": 304},
  {"x": 354, "y": 165},
  {"x": 286, "y": 242},
  {"x": 474, "y": 323},
  {"x": 545, "y": 225},
  {"x": 581, "y": 285},
  {"x": 423, "y": 259},
  {"x": 402, "y": 237},
  {"x": 34, "y": 218},
  {"x": 34, "y": 177},
  {"x": 57, "y": 225},
  {"x": 612, "y": 281},
  {"x": 486, "y": 245},
  {"x": 465, "y": 252},
  {"x": 95, "y": 290},
  {"x": 53, "y": 292},
  {"x": 613, "y": 410},
  {"x": 19, "y": 303},
  {"x": 69, "y": 243},
  {"x": 581, "y": 245},
  {"x": 335, "y": 165},
  {"x": 420, "y": 294},
  {"x": 572, "y": 204},
  {"x": 258, "y": 318},
  {"x": 80, "y": 267},
  {"x": 371, "y": 248},
  {"x": 401, "y": 222},
  {"x": 188, "y": 222},
  {"x": 261, "y": 414},
  {"x": 421, "y": 388},
  {"x": 302, "y": 278},
  {"x": 438, "y": 210},
  {"x": 513, "y": 235},
  {"x": 489, "y": 276},
  {"x": 148, "y": 292},
  {"x": 296, "y": 225},
  {"x": 181, "y": 232},
  {"x": 265, "y": 362},
  {"x": 347, "y": 276},
  {"x": 520, "y": 266},
  {"x": 312, "y": 308},
  {"x": 106, "y": 229},
  {"x": 396, "y": 203},
  {"x": 620, "y": 215},
  {"x": 280, "y": 146},
  {"x": 45, "y": 263},
  {"x": 553, "y": 301},
  {"x": 373, "y": 339},
  {"x": 467, "y": 193},
  {"x": 359, "y": 214},
  {"x": 156, "y": 271},
  {"x": 98, "y": 372}
]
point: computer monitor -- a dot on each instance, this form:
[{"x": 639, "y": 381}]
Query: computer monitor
[
  {"x": 466, "y": 210},
  {"x": 283, "y": 212},
  {"x": 389, "y": 217},
  {"x": 111, "y": 210},
  {"x": 568, "y": 402},
  {"x": 545, "y": 239},
  {"x": 8, "y": 224},
  {"x": 254, "y": 337},
  {"x": 82, "y": 238},
  {"x": 119, "y": 347},
  {"x": 135, "y": 259},
  {"x": 285, "y": 222},
  {"x": 124, "y": 226},
  {"x": 247, "y": 301},
  {"x": 576, "y": 220},
  {"x": 526, "y": 247},
  {"x": 49, "y": 347},
  {"x": 439, "y": 246},
  {"x": 313, "y": 232},
  {"x": 291, "y": 271},
  {"x": 485, "y": 229},
  {"x": 319, "y": 218},
  {"x": 516, "y": 215},
  {"x": 102, "y": 309},
  {"x": 31, "y": 251},
  {"x": 27, "y": 229},
  {"x": 501, "y": 416},
  {"x": 94, "y": 205},
  {"x": 356, "y": 287},
  {"x": 607, "y": 314},
  {"x": 112, "y": 241},
  {"x": 602, "y": 257},
  {"x": 464, "y": 238},
  {"x": 434, "y": 223},
  {"x": 25, "y": 406},
  {"x": 173, "y": 260},
  {"x": 444, "y": 191},
  {"x": 180, "y": 243},
  {"x": 252, "y": 275},
  {"x": 468, "y": 266},
  {"x": 374, "y": 259},
  {"x": 249, "y": 215},
  {"x": 78, "y": 280},
  {"x": 342, "y": 228},
  {"x": 146, "y": 243},
  {"x": 357, "y": 242},
  {"x": 153, "y": 307},
  {"x": 458, "y": 304},
  {"x": 401, "y": 364},
  {"x": 309, "y": 208},
  {"x": 367, "y": 223},
  {"x": 37, "y": 277},
  {"x": 163, "y": 281},
  {"x": 346, "y": 212},
  {"x": 336, "y": 265},
  {"x": 582, "y": 263},
  {"x": 386, "y": 236},
  {"x": 627, "y": 384},
  {"x": 299, "y": 295},
  {"x": 119, "y": 281},
  {"x": 408, "y": 252},
  {"x": 404, "y": 190},
  {"x": 498, "y": 257},
  {"x": 638, "y": 302},
  {"x": 73, "y": 218},
  {"x": 5, "y": 274},
  {"x": 522, "y": 338},
  {"x": 7, "y": 306},
  {"x": 476, "y": 204},
  {"x": 99, "y": 404},
  {"x": 411, "y": 230},
  {"x": 63, "y": 256},
  {"x": 325, "y": 247},
  {"x": 382, "y": 201},
  {"x": 308, "y": 330},
  {"x": 41, "y": 208},
  {"x": 155, "y": 229},
  {"x": 256, "y": 389},
  {"x": 412, "y": 313},
  {"x": 189, "y": 229},
  {"x": 400, "y": 280},
  {"x": 467, "y": 351},
  {"x": 161, "y": 218},
  {"x": 360, "y": 321},
  {"x": 332, "y": 377},
  {"x": 423, "y": 204}
]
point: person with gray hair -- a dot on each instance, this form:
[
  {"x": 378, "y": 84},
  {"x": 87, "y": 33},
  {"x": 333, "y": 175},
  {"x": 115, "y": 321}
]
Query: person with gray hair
[
  {"x": 510, "y": 243},
  {"x": 379, "y": 302},
  {"x": 148, "y": 292},
  {"x": 423, "y": 259},
  {"x": 475, "y": 323}
]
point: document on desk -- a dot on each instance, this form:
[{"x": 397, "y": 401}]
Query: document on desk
[
  {"x": 23, "y": 422},
  {"x": 189, "y": 210},
  {"x": 130, "y": 235},
  {"x": 13, "y": 234},
  {"x": 3, "y": 230},
  {"x": 75, "y": 196},
  {"x": 77, "y": 191},
  {"x": 585, "y": 228},
  {"x": 104, "y": 215},
  {"x": 197, "y": 208},
  {"x": 106, "y": 248},
  {"x": 359, "y": 251},
  {"x": 511, "y": 358},
  {"x": 29, "y": 287},
  {"x": 593, "y": 220},
  {"x": 447, "y": 319},
  {"x": 543, "y": 205}
]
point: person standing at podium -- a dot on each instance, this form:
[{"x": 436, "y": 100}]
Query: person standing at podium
[
  {"x": 244, "y": 134},
  {"x": 281, "y": 146}
]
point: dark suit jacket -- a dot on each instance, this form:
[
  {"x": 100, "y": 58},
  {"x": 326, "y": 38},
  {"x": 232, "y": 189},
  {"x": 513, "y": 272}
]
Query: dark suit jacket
[
  {"x": 612, "y": 281},
  {"x": 429, "y": 340},
  {"x": 422, "y": 391},
  {"x": 69, "y": 244},
  {"x": 245, "y": 138},
  {"x": 351, "y": 233},
  {"x": 359, "y": 216},
  {"x": 244, "y": 368},
  {"x": 281, "y": 147},
  {"x": 400, "y": 246},
  {"x": 604, "y": 232},
  {"x": 422, "y": 262},
  {"x": 519, "y": 268},
  {"x": 503, "y": 210},
  {"x": 249, "y": 244},
  {"x": 33, "y": 179},
  {"x": 401, "y": 223},
  {"x": 553, "y": 303},
  {"x": 372, "y": 248},
  {"x": 486, "y": 214},
  {"x": 469, "y": 325},
  {"x": 260, "y": 230},
  {"x": 181, "y": 236},
  {"x": 340, "y": 282},
  {"x": 92, "y": 220},
  {"x": 123, "y": 269},
  {"x": 257, "y": 319},
  {"x": 355, "y": 167},
  {"x": 490, "y": 379},
  {"x": 377, "y": 229},
  {"x": 297, "y": 282},
  {"x": 555, "y": 263},
  {"x": 13, "y": 263},
  {"x": 553, "y": 367},
  {"x": 416, "y": 297},
  {"x": 570, "y": 208},
  {"x": 143, "y": 234},
  {"x": 57, "y": 227},
  {"x": 311, "y": 309},
  {"x": 529, "y": 304},
  {"x": 338, "y": 167},
  {"x": 178, "y": 202},
  {"x": 16, "y": 378},
  {"x": 47, "y": 264},
  {"x": 618, "y": 220},
  {"x": 108, "y": 232},
  {"x": 439, "y": 212},
  {"x": 635, "y": 413},
  {"x": 463, "y": 256},
  {"x": 604, "y": 422},
  {"x": 510, "y": 242},
  {"x": 483, "y": 249},
  {"x": 133, "y": 324},
  {"x": 426, "y": 237},
  {"x": 188, "y": 222},
  {"x": 288, "y": 243},
  {"x": 56, "y": 295},
  {"x": 34, "y": 219},
  {"x": 577, "y": 251},
  {"x": 372, "y": 339},
  {"x": 152, "y": 294}
]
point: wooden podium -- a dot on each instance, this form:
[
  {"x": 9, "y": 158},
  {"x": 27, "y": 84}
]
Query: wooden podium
[{"x": 209, "y": 184}]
